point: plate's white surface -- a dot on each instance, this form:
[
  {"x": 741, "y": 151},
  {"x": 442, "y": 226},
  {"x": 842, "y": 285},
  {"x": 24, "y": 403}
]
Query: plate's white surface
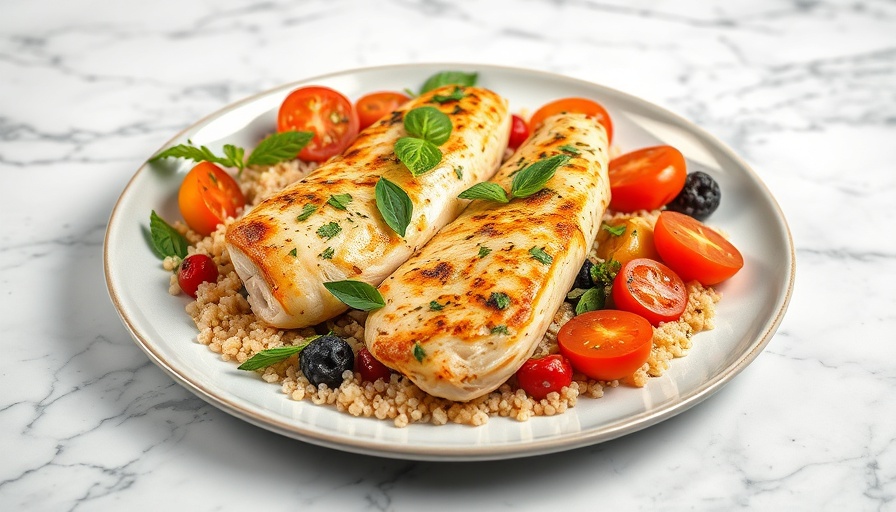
[{"x": 753, "y": 304}]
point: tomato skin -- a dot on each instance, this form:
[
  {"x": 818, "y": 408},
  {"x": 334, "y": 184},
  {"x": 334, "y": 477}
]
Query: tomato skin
[
  {"x": 540, "y": 376},
  {"x": 585, "y": 106},
  {"x": 646, "y": 179},
  {"x": 371, "y": 368},
  {"x": 695, "y": 251},
  {"x": 208, "y": 196},
  {"x": 321, "y": 110},
  {"x": 195, "y": 270},
  {"x": 606, "y": 344},
  {"x": 374, "y": 106},
  {"x": 519, "y": 132},
  {"x": 648, "y": 288}
]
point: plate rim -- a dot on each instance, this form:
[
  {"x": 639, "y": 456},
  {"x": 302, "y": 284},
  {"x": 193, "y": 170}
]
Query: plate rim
[{"x": 624, "y": 426}]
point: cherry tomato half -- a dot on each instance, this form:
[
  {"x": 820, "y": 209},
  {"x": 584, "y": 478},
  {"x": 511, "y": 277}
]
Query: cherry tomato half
[
  {"x": 325, "y": 112},
  {"x": 370, "y": 367},
  {"x": 646, "y": 179},
  {"x": 580, "y": 105},
  {"x": 207, "y": 196},
  {"x": 693, "y": 250},
  {"x": 540, "y": 376},
  {"x": 195, "y": 270},
  {"x": 374, "y": 106},
  {"x": 519, "y": 132},
  {"x": 607, "y": 344},
  {"x": 648, "y": 288}
]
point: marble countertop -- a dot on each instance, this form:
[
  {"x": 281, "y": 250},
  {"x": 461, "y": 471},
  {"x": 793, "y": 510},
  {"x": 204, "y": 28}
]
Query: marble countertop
[{"x": 804, "y": 91}]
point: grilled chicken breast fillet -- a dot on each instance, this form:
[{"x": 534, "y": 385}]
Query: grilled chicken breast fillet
[
  {"x": 465, "y": 312},
  {"x": 284, "y": 258}
]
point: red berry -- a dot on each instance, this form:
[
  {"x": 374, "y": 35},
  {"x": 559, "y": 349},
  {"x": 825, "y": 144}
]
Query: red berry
[
  {"x": 540, "y": 376},
  {"x": 519, "y": 132},
  {"x": 370, "y": 368},
  {"x": 195, "y": 270}
]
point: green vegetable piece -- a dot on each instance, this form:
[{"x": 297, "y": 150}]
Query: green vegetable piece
[
  {"x": 605, "y": 272},
  {"x": 459, "y": 172},
  {"x": 166, "y": 241},
  {"x": 419, "y": 353},
  {"x": 484, "y": 251},
  {"x": 327, "y": 253},
  {"x": 435, "y": 306},
  {"x": 570, "y": 149},
  {"x": 394, "y": 205},
  {"x": 500, "y": 329},
  {"x": 499, "y": 300},
  {"x": 428, "y": 123},
  {"x": 456, "y": 95},
  {"x": 540, "y": 255},
  {"x": 613, "y": 230},
  {"x": 485, "y": 190},
  {"x": 339, "y": 201},
  {"x": 200, "y": 154},
  {"x": 329, "y": 230},
  {"x": 449, "y": 77},
  {"x": 279, "y": 147},
  {"x": 534, "y": 177},
  {"x": 307, "y": 210},
  {"x": 418, "y": 155},
  {"x": 356, "y": 294},
  {"x": 294, "y": 252},
  {"x": 592, "y": 300}
]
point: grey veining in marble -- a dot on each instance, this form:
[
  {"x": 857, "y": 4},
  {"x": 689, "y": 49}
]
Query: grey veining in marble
[{"x": 805, "y": 91}]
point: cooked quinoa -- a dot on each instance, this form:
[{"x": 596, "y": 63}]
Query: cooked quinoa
[{"x": 228, "y": 327}]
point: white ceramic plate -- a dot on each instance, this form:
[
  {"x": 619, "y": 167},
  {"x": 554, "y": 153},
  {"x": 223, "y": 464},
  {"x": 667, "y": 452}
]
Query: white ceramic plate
[{"x": 753, "y": 304}]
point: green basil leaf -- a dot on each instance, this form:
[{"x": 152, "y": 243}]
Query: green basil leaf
[
  {"x": 339, "y": 201},
  {"x": 420, "y": 156},
  {"x": 356, "y": 294},
  {"x": 456, "y": 95},
  {"x": 541, "y": 256},
  {"x": 485, "y": 190},
  {"x": 329, "y": 230},
  {"x": 428, "y": 123},
  {"x": 394, "y": 205},
  {"x": 533, "y": 178},
  {"x": 191, "y": 152},
  {"x": 592, "y": 300},
  {"x": 234, "y": 155},
  {"x": 271, "y": 356},
  {"x": 449, "y": 77},
  {"x": 166, "y": 240},
  {"x": 279, "y": 147}
]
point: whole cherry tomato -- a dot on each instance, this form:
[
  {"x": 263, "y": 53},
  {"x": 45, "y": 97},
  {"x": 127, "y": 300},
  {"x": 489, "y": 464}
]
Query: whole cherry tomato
[
  {"x": 540, "y": 376},
  {"x": 370, "y": 368},
  {"x": 646, "y": 179},
  {"x": 195, "y": 270},
  {"x": 207, "y": 196},
  {"x": 519, "y": 132}
]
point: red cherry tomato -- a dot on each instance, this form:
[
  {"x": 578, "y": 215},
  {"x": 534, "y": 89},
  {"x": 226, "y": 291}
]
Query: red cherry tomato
[
  {"x": 374, "y": 106},
  {"x": 195, "y": 270},
  {"x": 646, "y": 179},
  {"x": 606, "y": 344},
  {"x": 648, "y": 288},
  {"x": 585, "y": 106},
  {"x": 325, "y": 112},
  {"x": 519, "y": 132},
  {"x": 695, "y": 251},
  {"x": 207, "y": 196},
  {"x": 542, "y": 375},
  {"x": 370, "y": 368}
]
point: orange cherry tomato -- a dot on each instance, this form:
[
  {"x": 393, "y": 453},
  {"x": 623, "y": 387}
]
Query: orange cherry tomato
[
  {"x": 695, "y": 251},
  {"x": 374, "y": 106},
  {"x": 579, "y": 105},
  {"x": 519, "y": 132},
  {"x": 325, "y": 112},
  {"x": 606, "y": 344},
  {"x": 207, "y": 196},
  {"x": 648, "y": 288},
  {"x": 646, "y": 179}
]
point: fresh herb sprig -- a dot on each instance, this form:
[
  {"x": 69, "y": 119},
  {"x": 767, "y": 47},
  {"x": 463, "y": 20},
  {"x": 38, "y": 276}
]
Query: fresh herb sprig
[
  {"x": 447, "y": 78},
  {"x": 166, "y": 240},
  {"x": 273, "y": 356},
  {"x": 602, "y": 276},
  {"x": 273, "y": 149},
  {"x": 526, "y": 182},
  {"x": 428, "y": 128},
  {"x": 394, "y": 205},
  {"x": 356, "y": 294}
]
